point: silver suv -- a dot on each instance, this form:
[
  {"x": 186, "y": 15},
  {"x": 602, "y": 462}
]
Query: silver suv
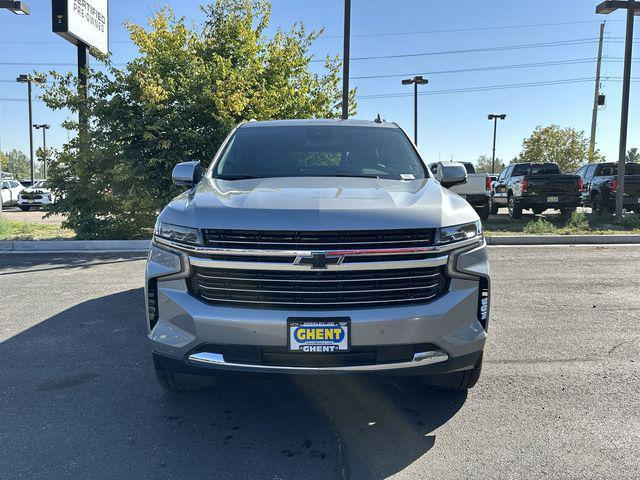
[{"x": 318, "y": 247}]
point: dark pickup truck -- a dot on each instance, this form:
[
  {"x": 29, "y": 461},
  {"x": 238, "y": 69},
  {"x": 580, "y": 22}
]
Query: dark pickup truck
[
  {"x": 600, "y": 183},
  {"x": 538, "y": 186}
]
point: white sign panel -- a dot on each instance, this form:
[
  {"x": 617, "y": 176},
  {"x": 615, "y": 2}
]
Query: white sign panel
[{"x": 83, "y": 20}]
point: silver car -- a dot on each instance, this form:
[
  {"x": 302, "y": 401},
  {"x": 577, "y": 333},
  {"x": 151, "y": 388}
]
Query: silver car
[{"x": 318, "y": 247}]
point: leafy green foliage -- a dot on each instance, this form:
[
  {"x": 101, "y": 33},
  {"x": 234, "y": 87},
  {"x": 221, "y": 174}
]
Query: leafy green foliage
[
  {"x": 17, "y": 163},
  {"x": 567, "y": 147},
  {"x": 633, "y": 156},
  {"x": 176, "y": 102},
  {"x": 484, "y": 162}
]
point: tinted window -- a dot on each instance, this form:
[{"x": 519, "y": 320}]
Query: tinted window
[
  {"x": 469, "y": 167},
  {"x": 608, "y": 169},
  {"x": 299, "y": 151},
  {"x": 504, "y": 174},
  {"x": 536, "y": 169},
  {"x": 589, "y": 173}
]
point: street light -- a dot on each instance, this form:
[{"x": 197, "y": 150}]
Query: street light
[
  {"x": 495, "y": 119},
  {"x": 633, "y": 8},
  {"x": 28, "y": 79},
  {"x": 19, "y": 8},
  {"x": 44, "y": 127},
  {"x": 417, "y": 80}
]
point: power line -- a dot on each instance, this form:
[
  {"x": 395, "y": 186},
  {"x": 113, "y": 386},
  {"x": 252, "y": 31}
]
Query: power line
[
  {"x": 560, "y": 43},
  {"x": 483, "y": 88}
]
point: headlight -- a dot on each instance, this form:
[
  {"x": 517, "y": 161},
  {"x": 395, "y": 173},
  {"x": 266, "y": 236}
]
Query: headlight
[
  {"x": 458, "y": 233},
  {"x": 178, "y": 233}
]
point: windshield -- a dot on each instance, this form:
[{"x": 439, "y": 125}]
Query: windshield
[
  {"x": 40, "y": 184},
  {"x": 319, "y": 151}
]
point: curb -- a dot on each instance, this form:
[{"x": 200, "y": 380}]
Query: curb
[
  {"x": 122, "y": 246},
  {"x": 73, "y": 246},
  {"x": 564, "y": 240}
]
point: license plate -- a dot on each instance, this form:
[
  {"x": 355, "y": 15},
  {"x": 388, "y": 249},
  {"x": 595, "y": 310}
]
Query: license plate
[
  {"x": 318, "y": 335},
  {"x": 552, "y": 199}
]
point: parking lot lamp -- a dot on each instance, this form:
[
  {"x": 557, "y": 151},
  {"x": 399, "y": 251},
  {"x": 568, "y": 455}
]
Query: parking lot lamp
[
  {"x": 19, "y": 8},
  {"x": 417, "y": 80},
  {"x": 44, "y": 127},
  {"x": 495, "y": 119},
  {"x": 28, "y": 79}
]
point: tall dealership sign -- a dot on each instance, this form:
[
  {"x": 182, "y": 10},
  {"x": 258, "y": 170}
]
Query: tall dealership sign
[{"x": 85, "y": 23}]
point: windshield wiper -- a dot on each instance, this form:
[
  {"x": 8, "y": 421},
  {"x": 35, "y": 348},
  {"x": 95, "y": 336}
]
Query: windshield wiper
[{"x": 364, "y": 175}]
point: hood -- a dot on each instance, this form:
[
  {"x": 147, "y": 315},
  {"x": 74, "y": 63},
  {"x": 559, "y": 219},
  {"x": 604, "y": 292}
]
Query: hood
[{"x": 317, "y": 203}]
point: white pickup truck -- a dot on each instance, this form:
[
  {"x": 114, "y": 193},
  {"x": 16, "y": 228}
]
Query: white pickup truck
[{"x": 476, "y": 190}]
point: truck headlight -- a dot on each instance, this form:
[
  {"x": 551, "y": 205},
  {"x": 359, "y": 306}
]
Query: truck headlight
[
  {"x": 161, "y": 262},
  {"x": 458, "y": 233},
  {"x": 178, "y": 233}
]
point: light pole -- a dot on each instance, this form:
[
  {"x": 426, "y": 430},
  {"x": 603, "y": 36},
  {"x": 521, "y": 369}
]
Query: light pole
[
  {"x": 44, "y": 127},
  {"x": 495, "y": 119},
  {"x": 632, "y": 9},
  {"x": 28, "y": 79},
  {"x": 19, "y": 8},
  {"x": 417, "y": 80},
  {"x": 346, "y": 44}
]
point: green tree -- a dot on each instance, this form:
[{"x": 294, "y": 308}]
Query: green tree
[
  {"x": 484, "y": 163},
  {"x": 176, "y": 102},
  {"x": 17, "y": 163},
  {"x": 567, "y": 147},
  {"x": 633, "y": 156}
]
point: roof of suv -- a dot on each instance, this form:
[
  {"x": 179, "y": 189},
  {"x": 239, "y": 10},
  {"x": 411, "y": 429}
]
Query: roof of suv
[{"x": 318, "y": 122}]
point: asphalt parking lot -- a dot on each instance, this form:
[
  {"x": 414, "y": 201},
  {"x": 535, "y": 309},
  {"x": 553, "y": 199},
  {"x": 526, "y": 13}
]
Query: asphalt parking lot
[{"x": 558, "y": 397}]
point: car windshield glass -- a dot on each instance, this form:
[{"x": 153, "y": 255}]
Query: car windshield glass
[
  {"x": 40, "y": 184},
  {"x": 321, "y": 151}
]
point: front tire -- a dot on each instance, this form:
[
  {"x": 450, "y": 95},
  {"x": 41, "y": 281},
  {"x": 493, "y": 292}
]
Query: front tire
[
  {"x": 484, "y": 212},
  {"x": 597, "y": 205},
  {"x": 515, "y": 210},
  {"x": 455, "y": 382},
  {"x": 566, "y": 213},
  {"x": 493, "y": 207}
]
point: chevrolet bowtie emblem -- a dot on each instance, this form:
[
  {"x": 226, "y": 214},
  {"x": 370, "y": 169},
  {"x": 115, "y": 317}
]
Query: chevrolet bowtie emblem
[{"x": 318, "y": 260}]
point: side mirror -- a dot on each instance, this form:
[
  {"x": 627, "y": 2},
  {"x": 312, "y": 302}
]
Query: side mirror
[
  {"x": 186, "y": 174},
  {"x": 450, "y": 174}
]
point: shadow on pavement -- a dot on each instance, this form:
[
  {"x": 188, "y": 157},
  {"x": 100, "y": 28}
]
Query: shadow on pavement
[
  {"x": 25, "y": 262},
  {"x": 79, "y": 401}
]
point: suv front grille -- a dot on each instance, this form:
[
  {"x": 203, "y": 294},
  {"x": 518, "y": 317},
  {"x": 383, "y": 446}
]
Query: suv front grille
[
  {"x": 317, "y": 289},
  {"x": 331, "y": 240}
]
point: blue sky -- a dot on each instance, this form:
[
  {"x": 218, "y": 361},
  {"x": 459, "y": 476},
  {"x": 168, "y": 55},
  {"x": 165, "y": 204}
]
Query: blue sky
[{"x": 452, "y": 125}]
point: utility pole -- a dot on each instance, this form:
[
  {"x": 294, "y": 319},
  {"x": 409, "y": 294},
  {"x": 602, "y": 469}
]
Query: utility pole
[
  {"x": 632, "y": 7},
  {"x": 594, "y": 116},
  {"x": 345, "y": 59},
  {"x": 495, "y": 119},
  {"x": 417, "y": 80}
]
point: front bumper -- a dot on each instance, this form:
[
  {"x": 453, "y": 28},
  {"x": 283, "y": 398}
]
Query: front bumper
[
  {"x": 452, "y": 326},
  {"x": 38, "y": 202}
]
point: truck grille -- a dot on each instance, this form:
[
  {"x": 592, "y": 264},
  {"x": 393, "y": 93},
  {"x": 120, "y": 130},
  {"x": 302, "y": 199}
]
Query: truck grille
[
  {"x": 317, "y": 289},
  {"x": 291, "y": 240}
]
